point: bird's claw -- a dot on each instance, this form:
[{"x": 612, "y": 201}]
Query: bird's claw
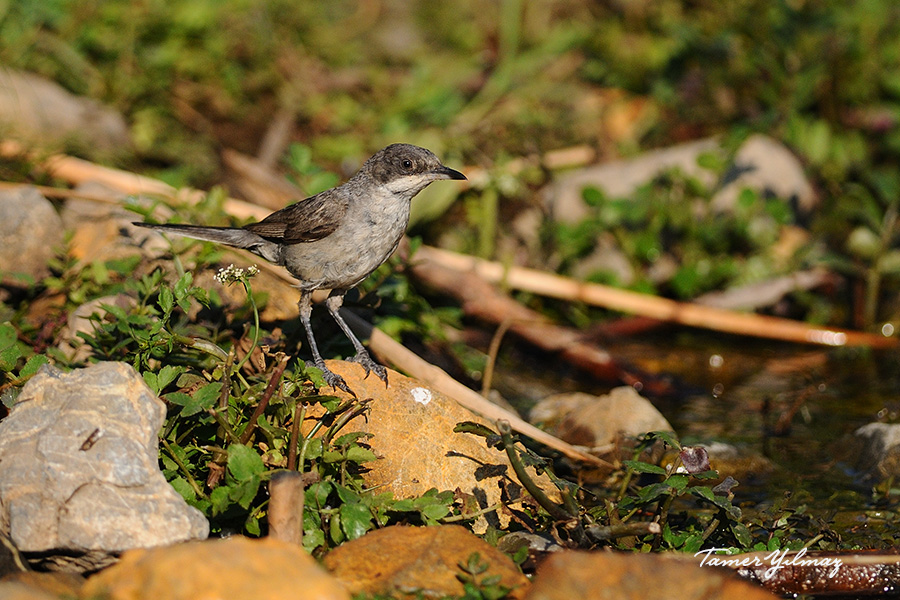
[
  {"x": 370, "y": 365},
  {"x": 332, "y": 378}
]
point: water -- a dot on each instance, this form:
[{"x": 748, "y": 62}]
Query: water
[{"x": 789, "y": 410}]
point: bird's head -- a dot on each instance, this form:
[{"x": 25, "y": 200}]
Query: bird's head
[{"x": 406, "y": 169}]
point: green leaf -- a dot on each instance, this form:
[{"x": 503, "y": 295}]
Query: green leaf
[
  {"x": 678, "y": 481},
  {"x": 244, "y": 463},
  {"x": 334, "y": 528},
  {"x": 183, "y": 286},
  {"x": 642, "y": 467},
  {"x": 356, "y": 519},
  {"x": 244, "y": 492},
  {"x": 433, "y": 512},
  {"x": 316, "y": 495},
  {"x": 651, "y": 492},
  {"x": 9, "y": 348},
  {"x": 32, "y": 365},
  {"x": 349, "y": 438},
  {"x": 742, "y": 534},
  {"x": 166, "y": 300},
  {"x": 347, "y": 495},
  {"x": 358, "y": 454},
  {"x": 312, "y": 538},
  {"x": 8, "y": 335},
  {"x": 252, "y": 525},
  {"x": 183, "y": 488},
  {"x": 332, "y": 456},
  {"x": 592, "y": 196},
  {"x": 220, "y": 499},
  {"x": 203, "y": 399},
  {"x": 474, "y": 428},
  {"x": 667, "y": 437}
]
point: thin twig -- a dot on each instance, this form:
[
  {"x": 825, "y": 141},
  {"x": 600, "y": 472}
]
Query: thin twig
[
  {"x": 299, "y": 415},
  {"x": 183, "y": 468},
  {"x": 267, "y": 395},
  {"x": 493, "y": 351}
]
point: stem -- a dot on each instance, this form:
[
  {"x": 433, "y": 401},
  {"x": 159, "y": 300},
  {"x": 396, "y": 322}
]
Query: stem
[
  {"x": 264, "y": 401},
  {"x": 226, "y": 381},
  {"x": 299, "y": 415},
  {"x": 249, "y": 292},
  {"x": 599, "y": 533},
  {"x": 184, "y": 470},
  {"x": 661, "y": 518},
  {"x": 556, "y": 511},
  {"x": 204, "y": 345},
  {"x": 223, "y": 423},
  {"x": 493, "y": 350},
  {"x": 477, "y": 513},
  {"x": 345, "y": 418}
]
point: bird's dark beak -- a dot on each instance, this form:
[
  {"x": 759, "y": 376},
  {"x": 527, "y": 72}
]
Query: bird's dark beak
[{"x": 448, "y": 173}]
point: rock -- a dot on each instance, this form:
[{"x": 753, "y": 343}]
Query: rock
[
  {"x": 56, "y": 585},
  {"x": 412, "y": 429},
  {"x": 767, "y": 166},
  {"x": 408, "y": 561},
  {"x": 762, "y": 164},
  {"x": 877, "y": 450},
  {"x": 31, "y": 232},
  {"x": 620, "y": 576},
  {"x": 41, "y": 111},
  {"x": 103, "y": 231},
  {"x": 16, "y": 590},
  {"x": 592, "y": 421},
  {"x": 236, "y": 568},
  {"x": 79, "y": 479},
  {"x": 79, "y": 321}
]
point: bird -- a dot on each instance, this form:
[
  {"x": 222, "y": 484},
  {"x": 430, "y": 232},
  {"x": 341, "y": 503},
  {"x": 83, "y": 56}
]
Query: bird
[{"x": 336, "y": 238}]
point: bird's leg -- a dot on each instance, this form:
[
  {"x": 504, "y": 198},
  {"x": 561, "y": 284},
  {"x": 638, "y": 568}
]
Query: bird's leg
[
  {"x": 333, "y": 303},
  {"x": 332, "y": 379}
]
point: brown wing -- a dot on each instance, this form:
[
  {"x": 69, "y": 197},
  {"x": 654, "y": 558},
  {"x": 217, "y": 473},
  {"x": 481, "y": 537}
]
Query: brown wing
[{"x": 306, "y": 221}]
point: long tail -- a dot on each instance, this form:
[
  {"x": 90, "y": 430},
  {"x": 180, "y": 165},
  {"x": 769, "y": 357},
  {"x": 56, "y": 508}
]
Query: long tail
[{"x": 230, "y": 236}]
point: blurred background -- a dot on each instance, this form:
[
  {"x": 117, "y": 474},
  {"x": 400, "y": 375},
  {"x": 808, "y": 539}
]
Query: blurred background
[{"x": 314, "y": 88}]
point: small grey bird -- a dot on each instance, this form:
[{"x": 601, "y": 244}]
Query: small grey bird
[{"x": 335, "y": 239}]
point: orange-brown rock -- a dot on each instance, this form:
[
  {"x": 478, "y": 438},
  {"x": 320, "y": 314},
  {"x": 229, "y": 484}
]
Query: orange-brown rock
[
  {"x": 406, "y": 561},
  {"x": 623, "y": 576},
  {"x": 31, "y": 585},
  {"x": 412, "y": 429},
  {"x": 235, "y": 568}
]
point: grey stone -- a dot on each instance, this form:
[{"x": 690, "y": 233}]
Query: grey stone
[
  {"x": 41, "y": 111},
  {"x": 30, "y": 232},
  {"x": 877, "y": 450},
  {"x": 761, "y": 163},
  {"x": 79, "y": 472},
  {"x": 593, "y": 421}
]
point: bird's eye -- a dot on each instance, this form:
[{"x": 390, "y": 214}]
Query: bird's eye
[{"x": 407, "y": 164}]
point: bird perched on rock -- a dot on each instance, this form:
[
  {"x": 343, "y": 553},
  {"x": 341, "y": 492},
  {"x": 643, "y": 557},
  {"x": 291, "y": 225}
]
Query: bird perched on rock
[{"x": 335, "y": 239}]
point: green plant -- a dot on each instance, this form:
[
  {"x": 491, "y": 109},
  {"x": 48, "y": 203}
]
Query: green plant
[
  {"x": 684, "y": 478},
  {"x": 477, "y": 583},
  {"x": 18, "y": 362},
  {"x": 671, "y": 220}
]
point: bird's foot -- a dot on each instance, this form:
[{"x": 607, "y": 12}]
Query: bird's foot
[
  {"x": 331, "y": 378},
  {"x": 370, "y": 365}
]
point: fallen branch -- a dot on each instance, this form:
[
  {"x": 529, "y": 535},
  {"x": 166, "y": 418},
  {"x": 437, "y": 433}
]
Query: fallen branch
[
  {"x": 486, "y": 302},
  {"x": 695, "y": 315},
  {"x": 848, "y": 574}
]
